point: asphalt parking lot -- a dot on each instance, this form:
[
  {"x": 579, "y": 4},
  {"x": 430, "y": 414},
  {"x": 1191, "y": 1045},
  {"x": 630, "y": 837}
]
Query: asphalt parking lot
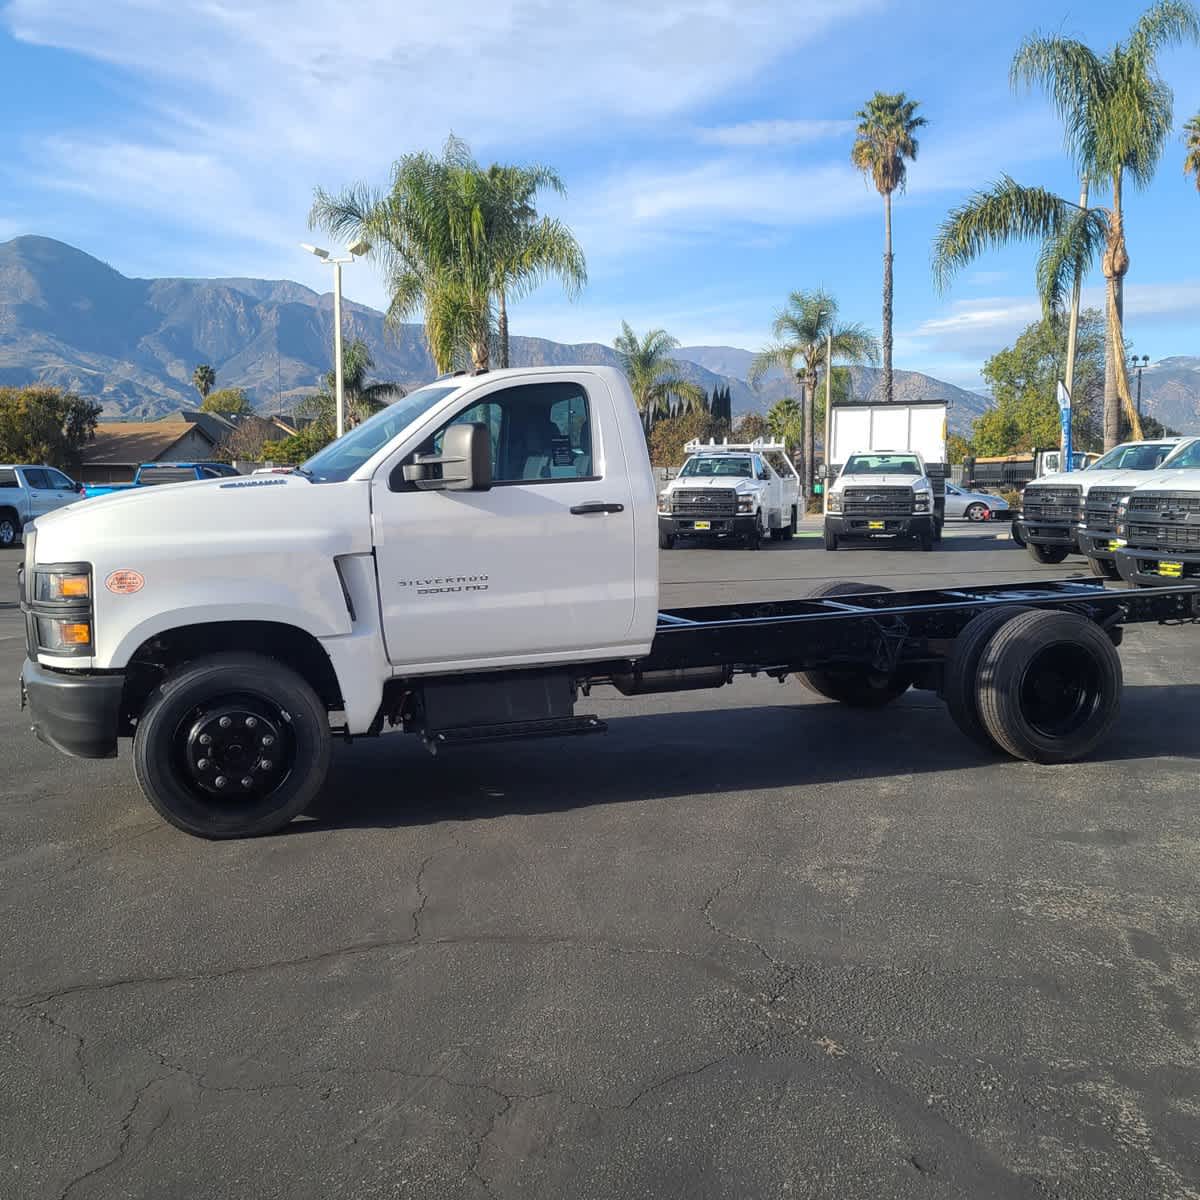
[{"x": 747, "y": 944}]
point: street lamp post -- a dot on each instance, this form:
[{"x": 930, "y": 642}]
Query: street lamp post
[
  {"x": 1139, "y": 366},
  {"x": 358, "y": 248}
]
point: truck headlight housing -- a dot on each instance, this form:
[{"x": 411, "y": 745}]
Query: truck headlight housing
[
  {"x": 59, "y": 604},
  {"x": 746, "y": 504},
  {"x": 664, "y": 502},
  {"x": 835, "y": 502},
  {"x": 62, "y": 585},
  {"x": 922, "y": 502}
]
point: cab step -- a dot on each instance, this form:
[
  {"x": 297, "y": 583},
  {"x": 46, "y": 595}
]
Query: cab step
[{"x": 472, "y": 735}]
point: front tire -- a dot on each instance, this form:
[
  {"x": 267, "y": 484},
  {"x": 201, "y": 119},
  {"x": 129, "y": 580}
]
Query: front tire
[
  {"x": 754, "y": 539},
  {"x": 1047, "y": 555},
  {"x": 977, "y": 512},
  {"x": 10, "y": 529},
  {"x": 1104, "y": 568},
  {"x": 831, "y": 539},
  {"x": 231, "y": 746},
  {"x": 666, "y": 541}
]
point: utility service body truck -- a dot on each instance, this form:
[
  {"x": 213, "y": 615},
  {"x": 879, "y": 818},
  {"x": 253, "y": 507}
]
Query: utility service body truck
[
  {"x": 890, "y": 466},
  {"x": 1077, "y": 510},
  {"x": 749, "y": 490},
  {"x": 464, "y": 566}
]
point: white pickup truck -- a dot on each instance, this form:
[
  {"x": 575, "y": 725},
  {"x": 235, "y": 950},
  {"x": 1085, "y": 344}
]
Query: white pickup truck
[
  {"x": 464, "y": 566},
  {"x": 748, "y": 490},
  {"x": 28, "y": 492},
  {"x": 882, "y": 494}
]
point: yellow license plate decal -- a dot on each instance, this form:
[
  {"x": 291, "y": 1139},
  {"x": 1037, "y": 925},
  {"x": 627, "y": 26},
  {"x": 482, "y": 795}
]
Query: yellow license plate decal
[
  {"x": 1114, "y": 545},
  {"x": 1172, "y": 570},
  {"x": 875, "y": 525},
  {"x": 703, "y": 524}
]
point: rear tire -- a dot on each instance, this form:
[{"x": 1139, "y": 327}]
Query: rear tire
[
  {"x": 1049, "y": 686},
  {"x": 855, "y": 687},
  {"x": 1047, "y": 555},
  {"x": 1104, "y": 568},
  {"x": 977, "y": 512},
  {"x": 267, "y": 736},
  {"x": 962, "y": 671},
  {"x": 10, "y": 529}
]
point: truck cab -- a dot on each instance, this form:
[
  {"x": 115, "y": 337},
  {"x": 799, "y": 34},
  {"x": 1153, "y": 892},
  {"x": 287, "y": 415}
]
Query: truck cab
[
  {"x": 745, "y": 490},
  {"x": 882, "y": 495},
  {"x": 1076, "y": 510}
]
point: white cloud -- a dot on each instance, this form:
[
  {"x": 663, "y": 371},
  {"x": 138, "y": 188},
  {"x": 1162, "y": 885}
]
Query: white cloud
[{"x": 774, "y": 133}]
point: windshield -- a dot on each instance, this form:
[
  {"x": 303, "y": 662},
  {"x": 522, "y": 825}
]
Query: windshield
[
  {"x": 883, "y": 464},
  {"x": 1142, "y": 456},
  {"x": 1187, "y": 458},
  {"x": 339, "y": 460},
  {"x": 719, "y": 466}
]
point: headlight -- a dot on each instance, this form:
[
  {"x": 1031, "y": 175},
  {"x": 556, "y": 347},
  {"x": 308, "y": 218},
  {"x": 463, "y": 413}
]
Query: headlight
[
  {"x": 71, "y": 635},
  {"x": 57, "y": 585},
  {"x": 835, "y": 502},
  {"x": 664, "y": 502},
  {"x": 921, "y": 502},
  {"x": 746, "y": 503}
]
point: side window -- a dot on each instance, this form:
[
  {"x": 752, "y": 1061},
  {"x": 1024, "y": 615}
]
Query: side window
[
  {"x": 8, "y": 478},
  {"x": 761, "y": 469},
  {"x": 37, "y": 479},
  {"x": 538, "y": 432},
  {"x": 60, "y": 482}
]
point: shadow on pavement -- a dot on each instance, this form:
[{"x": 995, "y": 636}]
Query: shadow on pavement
[{"x": 395, "y": 782}]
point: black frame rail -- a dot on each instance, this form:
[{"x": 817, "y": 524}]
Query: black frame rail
[{"x": 884, "y": 628}]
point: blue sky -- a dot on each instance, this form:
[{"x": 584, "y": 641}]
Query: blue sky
[{"x": 704, "y": 144}]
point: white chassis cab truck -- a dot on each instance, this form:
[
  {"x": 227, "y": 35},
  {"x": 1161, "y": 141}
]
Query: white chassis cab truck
[
  {"x": 888, "y": 466},
  {"x": 1158, "y": 523},
  {"x": 465, "y": 566},
  {"x": 746, "y": 490}
]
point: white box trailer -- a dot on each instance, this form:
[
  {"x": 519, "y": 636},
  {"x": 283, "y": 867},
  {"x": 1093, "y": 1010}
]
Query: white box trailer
[{"x": 920, "y": 427}]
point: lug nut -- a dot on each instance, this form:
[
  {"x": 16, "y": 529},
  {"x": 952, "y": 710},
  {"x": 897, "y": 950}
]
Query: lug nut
[
  {"x": 204, "y": 764},
  {"x": 225, "y": 722},
  {"x": 268, "y": 741},
  {"x": 266, "y": 764},
  {"x": 205, "y": 739},
  {"x": 251, "y": 722},
  {"x": 247, "y": 781},
  {"x": 220, "y": 781}
]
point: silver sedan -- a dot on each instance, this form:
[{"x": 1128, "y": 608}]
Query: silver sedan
[{"x": 974, "y": 506}]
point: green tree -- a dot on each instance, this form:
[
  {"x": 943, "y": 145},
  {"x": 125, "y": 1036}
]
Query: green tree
[
  {"x": 785, "y": 420},
  {"x": 886, "y": 138},
  {"x": 42, "y": 424},
  {"x": 298, "y": 446},
  {"x": 801, "y": 330},
  {"x": 957, "y": 448},
  {"x": 1191, "y": 160},
  {"x": 204, "y": 378},
  {"x": 227, "y": 401},
  {"x": 537, "y": 249},
  {"x": 750, "y": 427},
  {"x": 655, "y": 378},
  {"x": 670, "y": 435},
  {"x": 450, "y": 238},
  {"x": 1023, "y": 380},
  {"x": 1117, "y": 114}
]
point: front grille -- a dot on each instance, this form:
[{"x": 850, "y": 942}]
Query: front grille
[
  {"x": 1164, "y": 520},
  {"x": 1052, "y": 504},
  {"x": 704, "y": 502},
  {"x": 1159, "y": 504},
  {"x": 878, "y": 501},
  {"x": 1165, "y": 537},
  {"x": 1100, "y": 509}
]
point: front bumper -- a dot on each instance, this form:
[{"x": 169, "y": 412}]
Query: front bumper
[
  {"x": 77, "y": 714},
  {"x": 854, "y": 526},
  {"x": 1143, "y": 567},
  {"x": 737, "y": 526},
  {"x": 1097, "y": 544},
  {"x": 1049, "y": 533}
]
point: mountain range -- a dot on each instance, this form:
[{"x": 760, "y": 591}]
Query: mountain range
[{"x": 66, "y": 318}]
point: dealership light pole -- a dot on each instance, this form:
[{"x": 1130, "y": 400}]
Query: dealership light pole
[
  {"x": 1139, "y": 366},
  {"x": 362, "y": 246}
]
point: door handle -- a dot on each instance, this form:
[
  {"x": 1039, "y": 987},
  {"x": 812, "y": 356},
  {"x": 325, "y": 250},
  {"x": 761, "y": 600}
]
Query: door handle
[{"x": 582, "y": 510}]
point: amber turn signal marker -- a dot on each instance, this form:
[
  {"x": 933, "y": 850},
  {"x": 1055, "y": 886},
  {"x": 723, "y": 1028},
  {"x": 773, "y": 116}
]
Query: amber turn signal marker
[{"x": 75, "y": 633}]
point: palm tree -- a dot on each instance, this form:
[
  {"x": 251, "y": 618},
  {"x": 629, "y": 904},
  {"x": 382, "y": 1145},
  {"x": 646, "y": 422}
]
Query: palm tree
[
  {"x": 1117, "y": 114},
  {"x": 204, "y": 378},
  {"x": 538, "y": 248},
  {"x": 654, "y": 378},
  {"x": 784, "y": 418},
  {"x": 886, "y": 138},
  {"x": 1191, "y": 136},
  {"x": 801, "y": 331},
  {"x": 362, "y": 398}
]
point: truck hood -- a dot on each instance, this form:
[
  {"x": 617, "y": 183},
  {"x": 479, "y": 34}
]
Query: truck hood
[
  {"x": 1087, "y": 480},
  {"x": 219, "y": 516},
  {"x": 1181, "y": 479}
]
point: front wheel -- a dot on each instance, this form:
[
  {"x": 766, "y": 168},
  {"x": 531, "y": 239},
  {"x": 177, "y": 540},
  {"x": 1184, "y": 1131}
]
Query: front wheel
[
  {"x": 977, "y": 512},
  {"x": 1104, "y": 568},
  {"x": 1047, "y": 555},
  {"x": 232, "y": 745},
  {"x": 831, "y": 539},
  {"x": 10, "y": 531},
  {"x": 755, "y": 537},
  {"x": 666, "y": 541}
]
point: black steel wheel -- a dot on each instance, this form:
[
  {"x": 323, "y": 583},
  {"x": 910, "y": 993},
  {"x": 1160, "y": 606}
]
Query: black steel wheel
[
  {"x": 1049, "y": 686},
  {"x": 856, "y": 687},
  {"x": 1047, "y": 555},
  {"x": 1104, "y": 568},
  {"x": 233, "y": 745},
  {"x": 961, "y": 671}
]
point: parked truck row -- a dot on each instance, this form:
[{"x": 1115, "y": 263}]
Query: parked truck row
[{"x": 467, "y": 566}]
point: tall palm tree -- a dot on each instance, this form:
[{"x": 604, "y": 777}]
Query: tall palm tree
[
  {"x": 1117, "y": 115},
  {"x": 1191, "y": 137},
  {"x": 538, "y": 248},
  {"x": 654, "y": 377},
  {"x": 801, "y": 330},
  {"x": 784, "y": 418},
  {"x": 886, "y": 137},
  {"x": 204, "y": 379},
  {"x": 362, "y": 398}
]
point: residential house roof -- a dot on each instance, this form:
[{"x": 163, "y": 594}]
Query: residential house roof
[{"x": 138, "y": 441}]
